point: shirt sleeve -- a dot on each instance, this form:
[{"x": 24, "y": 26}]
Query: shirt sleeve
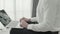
[
  {"x": 39, "y": 27},
  {"x": 34, "y": 19},
  {"x": 51, "y": 22}
]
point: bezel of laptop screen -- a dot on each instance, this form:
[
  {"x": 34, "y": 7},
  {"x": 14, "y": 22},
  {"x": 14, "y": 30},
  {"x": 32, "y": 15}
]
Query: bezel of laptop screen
[{"x": 4, "y": 18}]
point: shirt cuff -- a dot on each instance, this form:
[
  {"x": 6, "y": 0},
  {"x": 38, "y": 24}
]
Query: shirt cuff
[
  {"x": 30, "y": 26},
  {"x": 34, "y": 19}
]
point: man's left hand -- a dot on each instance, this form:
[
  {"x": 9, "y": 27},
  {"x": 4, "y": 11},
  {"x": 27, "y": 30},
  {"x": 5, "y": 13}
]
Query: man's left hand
[{"x": 23, "y": 24}]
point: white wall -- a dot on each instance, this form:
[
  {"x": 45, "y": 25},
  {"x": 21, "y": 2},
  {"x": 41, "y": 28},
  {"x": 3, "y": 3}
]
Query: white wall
[
  {"x": 17, "y": 9},
  {"x": 1, "y": 4},
  {"x": 23, "y": 8},
  {"x": 9, "y": 8}
]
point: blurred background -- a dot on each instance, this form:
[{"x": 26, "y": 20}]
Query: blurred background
[{"x": 17, "y": 9}]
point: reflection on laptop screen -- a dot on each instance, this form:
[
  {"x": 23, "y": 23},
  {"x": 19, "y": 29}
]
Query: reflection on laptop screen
[{"x": 4, "y": 18}]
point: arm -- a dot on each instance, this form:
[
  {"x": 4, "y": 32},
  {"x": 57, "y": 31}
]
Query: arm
[
  {"x": 34, "y": 19},
  {"x": 43, "y": 26},
  {"x": 39, "y": 27}
]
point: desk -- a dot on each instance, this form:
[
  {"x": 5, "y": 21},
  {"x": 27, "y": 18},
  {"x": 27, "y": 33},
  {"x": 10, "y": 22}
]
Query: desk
[{"x": 5, "y": 31}]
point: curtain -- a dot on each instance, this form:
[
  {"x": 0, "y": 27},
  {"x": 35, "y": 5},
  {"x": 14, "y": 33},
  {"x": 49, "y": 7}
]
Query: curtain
[
  {"x": 23, "y": 8},
  {"x": 17, "y": 9}
]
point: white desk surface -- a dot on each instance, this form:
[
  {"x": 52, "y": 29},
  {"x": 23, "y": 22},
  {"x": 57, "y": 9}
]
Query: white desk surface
[{"x": 5, "y": 31}]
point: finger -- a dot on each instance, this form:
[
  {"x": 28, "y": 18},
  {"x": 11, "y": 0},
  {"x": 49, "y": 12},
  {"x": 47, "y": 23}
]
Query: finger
[
  {"x": 20, "y": 25},
  {"x": 22, "y": 19}
]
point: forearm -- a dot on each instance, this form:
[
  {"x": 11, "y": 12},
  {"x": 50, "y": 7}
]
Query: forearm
[
  {"x": 34, "y": 19},
  {"x": 39, "y": 27}
]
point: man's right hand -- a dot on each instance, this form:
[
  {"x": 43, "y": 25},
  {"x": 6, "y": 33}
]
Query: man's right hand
[{"x": 25, "y": 19}]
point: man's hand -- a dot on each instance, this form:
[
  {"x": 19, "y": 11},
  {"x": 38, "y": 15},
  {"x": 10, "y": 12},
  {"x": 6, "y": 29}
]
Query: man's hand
[
  {"x": 25, "y": 19},
  {"x": 23, "y": 24}
]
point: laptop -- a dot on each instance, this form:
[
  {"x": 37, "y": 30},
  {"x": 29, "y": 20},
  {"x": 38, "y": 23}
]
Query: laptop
[{"x": 6, "y": 21}]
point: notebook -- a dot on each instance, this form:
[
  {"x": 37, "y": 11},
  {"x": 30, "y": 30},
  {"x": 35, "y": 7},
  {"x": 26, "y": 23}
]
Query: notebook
[{"x": 6, "y": 21}]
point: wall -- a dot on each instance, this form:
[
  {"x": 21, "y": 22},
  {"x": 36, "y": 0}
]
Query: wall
[
  {"x": 23, "y": 8},
  {"x": 1, "y": 4},
  {"x": 17, "y": 9},
  {"x": 9, "y": 8}
]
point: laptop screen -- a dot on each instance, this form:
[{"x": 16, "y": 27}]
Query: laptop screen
[{"x": 4, "y": 18}]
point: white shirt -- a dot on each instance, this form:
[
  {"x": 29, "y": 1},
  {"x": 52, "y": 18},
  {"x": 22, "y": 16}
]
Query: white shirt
[{"x": 48, "y": 16}]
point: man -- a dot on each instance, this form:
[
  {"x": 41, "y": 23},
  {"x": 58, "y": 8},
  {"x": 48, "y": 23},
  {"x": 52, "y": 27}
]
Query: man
[{"x": 48, "y": 17}]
